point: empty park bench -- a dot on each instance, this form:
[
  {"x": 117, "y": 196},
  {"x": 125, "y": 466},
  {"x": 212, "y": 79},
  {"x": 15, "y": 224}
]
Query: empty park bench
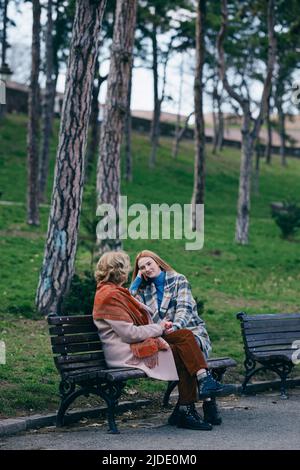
[
  {"x": 271, "y": 342},
  {"x": 80, "y": 361}
]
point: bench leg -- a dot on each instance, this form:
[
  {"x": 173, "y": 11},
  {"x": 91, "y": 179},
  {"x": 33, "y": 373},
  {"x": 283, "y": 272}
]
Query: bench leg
[
  {"x": 68, "y": 395},
  {"x": 250, "y": 370},
  {"x": 111, "y": 392},
  {"x": 283, "y": 371}
]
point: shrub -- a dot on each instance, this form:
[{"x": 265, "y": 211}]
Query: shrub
[
  {"x": 287, "y": 217},
  {"x": 80, "y": 298}
]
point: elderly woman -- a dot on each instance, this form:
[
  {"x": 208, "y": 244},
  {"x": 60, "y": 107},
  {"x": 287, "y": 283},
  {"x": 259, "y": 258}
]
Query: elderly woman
[
  {"x": 168, "y": 293},
  {"x": 130, "y": 338}
]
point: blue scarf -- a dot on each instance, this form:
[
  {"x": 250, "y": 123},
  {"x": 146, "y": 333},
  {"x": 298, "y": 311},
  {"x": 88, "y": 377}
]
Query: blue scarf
[{"x": 159, "y": 282}]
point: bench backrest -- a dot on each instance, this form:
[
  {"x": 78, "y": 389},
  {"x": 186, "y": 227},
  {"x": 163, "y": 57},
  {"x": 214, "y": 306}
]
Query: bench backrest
[
  {"x": 270, "y": 333},
  {"x": 75, "y": 343}
]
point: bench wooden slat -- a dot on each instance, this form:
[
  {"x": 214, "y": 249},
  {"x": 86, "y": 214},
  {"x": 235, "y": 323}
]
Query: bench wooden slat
[
  {"x": 220, "y": 362},
  {"x": 272, "y": 329},
  {"x": 78, "y": 358},
  {"x": 70, "y": 320},
  {"x": 110, "y": 375},
  {"x": 115, "y": 376},
  {"x": 100, "y": 363},
  {"x": 263, "y": 356},
  {"x": 288, "y": 323},
  {"x": 73, "y": 348},
  {"x": 270, "y": 316},
  {"x": 70, "y": 329},
  {"x": 72, "y": 339},
  {"x": 271, "y": 337},
  {"x": 271, "y": 347}
]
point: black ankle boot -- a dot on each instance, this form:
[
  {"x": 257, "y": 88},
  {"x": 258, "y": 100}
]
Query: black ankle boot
[
  {"x": 188, "y": 418},
  {"x": 173, "y": 418},
  {"x": 211, "y": 412}
]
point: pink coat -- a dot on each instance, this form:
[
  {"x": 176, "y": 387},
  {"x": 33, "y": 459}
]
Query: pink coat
[{"x": 116, "y": 337}]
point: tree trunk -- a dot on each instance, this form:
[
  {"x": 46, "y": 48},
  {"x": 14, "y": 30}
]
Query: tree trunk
[
  {"x": 178, "y": 118},
  {"x": 3, "y": 51},
  {"x": 127, "y": 133},
  {"x": 281, "y": 118},
  {"x": 61, "y": 244},
  {"x": 33, "y": 121},
  {"x": 220, "y": 136},
  {"x": 243, "y": 209},
  {"x": 95, "y": 130},
  {"x": 218, "y": 119},
  {"x": 257, "y": 167},
  {"x": 94, "y": 124},
  {"x": 248, "y": 136},
  {"x": 182, "y": 131},
  {"x": 48, "y": 104},
  {"x": 108, "y": 173},
  {"x": 214, "y": 116},
  {"x": 199, "y": 164},
  {"x": 268, "y": 151},
  {"x": 3, "y": 40},
  {"x": 157, "y": 104}
]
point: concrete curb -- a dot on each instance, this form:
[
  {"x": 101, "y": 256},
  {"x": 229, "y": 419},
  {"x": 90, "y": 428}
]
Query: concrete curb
[{"x": 14, "y": 425}]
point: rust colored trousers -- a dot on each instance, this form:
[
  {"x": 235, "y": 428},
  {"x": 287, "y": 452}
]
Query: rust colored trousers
[{"x": 188, "y": 359}]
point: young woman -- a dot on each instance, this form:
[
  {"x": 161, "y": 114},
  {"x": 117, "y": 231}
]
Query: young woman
[
  {"x": 168, "y": 294},
  {"x": 130, "y": 338}
]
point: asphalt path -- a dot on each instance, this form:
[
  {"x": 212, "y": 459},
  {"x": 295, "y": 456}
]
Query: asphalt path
[{"x": 262, "y": 421}]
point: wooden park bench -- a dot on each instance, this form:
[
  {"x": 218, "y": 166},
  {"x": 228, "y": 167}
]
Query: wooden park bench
[
  {"x": 269, "y": 344},
  {"x": 80, "y": 361}
]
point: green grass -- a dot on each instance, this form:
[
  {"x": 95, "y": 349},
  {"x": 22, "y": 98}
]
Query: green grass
[{"x": 261, "y": 277}]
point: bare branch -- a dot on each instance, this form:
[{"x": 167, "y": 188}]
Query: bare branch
[
  {"x": 221, "y": 58},
  {"x": 270, "y": 68}
]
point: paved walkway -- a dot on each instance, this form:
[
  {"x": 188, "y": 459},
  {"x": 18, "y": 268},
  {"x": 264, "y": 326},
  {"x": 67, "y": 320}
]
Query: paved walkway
[{"x": 263, "y": 421}]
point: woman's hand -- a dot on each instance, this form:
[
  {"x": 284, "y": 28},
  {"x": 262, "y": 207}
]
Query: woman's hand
[
  {"x": 167, "y": 326},
  {"x": 143, "y": 276}
]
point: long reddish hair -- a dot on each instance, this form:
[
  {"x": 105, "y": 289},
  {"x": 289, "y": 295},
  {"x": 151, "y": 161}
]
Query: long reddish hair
[{"x": 150, "y": 254}]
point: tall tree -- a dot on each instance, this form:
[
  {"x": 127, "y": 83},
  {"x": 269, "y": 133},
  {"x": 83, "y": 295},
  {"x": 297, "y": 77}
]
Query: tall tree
[
  {"x": 100, "y": 79},
  {"x": 108, "y": 172},
  {"x": 48, "y": 104},
  {"x": 33, "y": 120},
  {"x": 288, "y": 60},
  {"x": 94, "y": 125},
  {"x": 158, "y": 97},
  {"x": 268, "y": 149},
  {"x": 57, "y": 41},
  {"x": 158, "y": 22},
  {"x": 199, "y": 162},
  {"x": 179, "y": 105},
  {"x": 58, "y": 264},
  {"x": 127, "y": 132},
  {"x": 250, "y": 127}
]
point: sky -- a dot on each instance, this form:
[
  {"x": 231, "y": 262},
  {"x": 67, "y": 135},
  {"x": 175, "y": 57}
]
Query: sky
[
  {"x": 142, "y": 95},
  {"x": 142, "y": 90}
]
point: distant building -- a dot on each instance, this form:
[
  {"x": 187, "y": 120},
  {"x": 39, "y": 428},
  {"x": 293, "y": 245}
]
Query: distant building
[{"x": 17, "y": 102}]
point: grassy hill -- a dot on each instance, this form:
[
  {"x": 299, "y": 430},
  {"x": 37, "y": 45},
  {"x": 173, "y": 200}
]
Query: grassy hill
[{"x": 261, "y": 277}]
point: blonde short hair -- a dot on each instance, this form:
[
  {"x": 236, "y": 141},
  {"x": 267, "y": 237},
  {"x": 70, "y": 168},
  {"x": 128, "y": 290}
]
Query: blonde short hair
[{"x": 113, "y": 266}]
